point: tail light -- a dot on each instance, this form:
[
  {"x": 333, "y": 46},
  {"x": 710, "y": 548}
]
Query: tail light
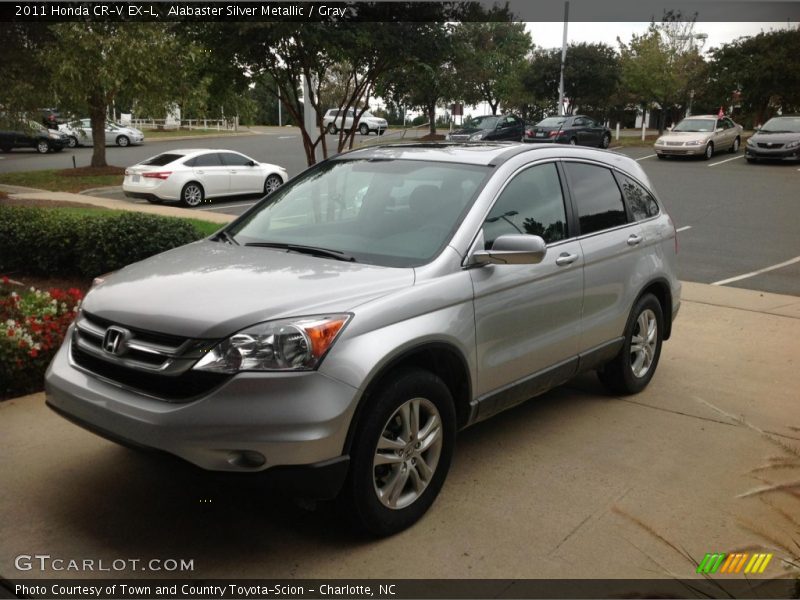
[
  {"x": 157, "y": 175},
  {"x": 553, "y": 133},
  {"x": 128, "y": 172}
]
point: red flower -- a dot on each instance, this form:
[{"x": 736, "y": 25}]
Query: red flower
[
  {"x": 6, "y": 280},
  {"x": 10, "y": 332},
  {"x": 33, "y": 353}
]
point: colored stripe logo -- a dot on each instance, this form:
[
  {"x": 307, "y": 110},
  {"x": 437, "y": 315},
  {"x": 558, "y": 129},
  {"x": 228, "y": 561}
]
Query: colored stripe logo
[{"x": 738, "y": 562}]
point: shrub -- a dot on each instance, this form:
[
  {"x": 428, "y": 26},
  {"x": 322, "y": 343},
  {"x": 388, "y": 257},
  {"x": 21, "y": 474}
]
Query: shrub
[
  {"x": 33, "y": 326},
  {"x": 47, "y": 240}
]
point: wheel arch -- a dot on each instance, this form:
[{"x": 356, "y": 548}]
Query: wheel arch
[
  {"x": 660, "y": 288},
  {"x": 440, "y": 358}
]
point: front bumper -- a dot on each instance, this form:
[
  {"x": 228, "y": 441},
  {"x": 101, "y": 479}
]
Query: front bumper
[
  {"x": 253, "y": 422},
  {"x": 665, "y": 150},
  {"x": 779, "y": 154}
]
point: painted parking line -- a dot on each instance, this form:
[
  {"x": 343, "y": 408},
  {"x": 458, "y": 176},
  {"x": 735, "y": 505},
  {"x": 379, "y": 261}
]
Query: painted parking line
[
  {"x": 686, "y": 228},
  {"x": 615, "y": 147},
  {"x": 726, "y": 160},
  {"x": 648, "y": 156},
  {"x": 792, "y": 261},
  {"x": 227, "y": 206},
  {"x": 286, "y": 137}
]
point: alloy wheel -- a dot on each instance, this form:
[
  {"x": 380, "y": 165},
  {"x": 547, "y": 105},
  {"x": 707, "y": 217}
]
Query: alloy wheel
[{"x": 643, "y": 343}]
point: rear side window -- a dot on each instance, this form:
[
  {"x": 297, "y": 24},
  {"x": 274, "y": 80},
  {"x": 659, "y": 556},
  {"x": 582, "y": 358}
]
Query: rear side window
[
  {"x": 597, "y": 197},
  {"x": 205, "y": 160},
  {"x": 162, "y": 159},
  {"x": 531, "y": 203},
  {"x": 640, "y": 202}
]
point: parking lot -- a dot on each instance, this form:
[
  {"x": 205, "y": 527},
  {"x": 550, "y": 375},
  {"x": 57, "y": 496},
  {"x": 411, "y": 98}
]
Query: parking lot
[{"x": 737, "y": 222}]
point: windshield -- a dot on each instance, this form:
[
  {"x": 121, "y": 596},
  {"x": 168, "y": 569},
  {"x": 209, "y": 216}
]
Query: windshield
[
  {"x": 696, "y": 125},
  {"x": 781, "y": 125},
  {"x": 551, "y": 122},
  {"x": 394, "y": 213},
  {"x": 488, "y": 122}
]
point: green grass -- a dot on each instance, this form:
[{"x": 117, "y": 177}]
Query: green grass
[{"x": 65, "y": 180}]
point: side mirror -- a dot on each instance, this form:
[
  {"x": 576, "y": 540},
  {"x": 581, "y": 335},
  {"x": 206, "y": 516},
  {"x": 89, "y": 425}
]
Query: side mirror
[
  {"x": 513, "y": 249},
  {"x": 252, "y": 163}
]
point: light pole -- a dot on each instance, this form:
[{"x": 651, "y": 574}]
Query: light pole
[{"x": 561, "y": 108}]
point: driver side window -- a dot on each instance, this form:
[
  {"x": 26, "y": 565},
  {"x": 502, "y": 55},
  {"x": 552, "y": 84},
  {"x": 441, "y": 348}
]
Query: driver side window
[{"x": 531, "y": 203}]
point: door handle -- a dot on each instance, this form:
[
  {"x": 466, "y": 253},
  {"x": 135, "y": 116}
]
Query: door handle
[
  {"x": 565, "y": 259},
  {"x": 200, "y": 172},
  {"x": 634, "y": 239},
  {"x": 233, "y": 172}
]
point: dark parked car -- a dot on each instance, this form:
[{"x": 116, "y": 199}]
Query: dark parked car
[
  {"x": 576, "y": 130},
  {"x": 490, "y": 127},
  {"x": 30, "y": 134},
  {"x": 778, "y": 139}
]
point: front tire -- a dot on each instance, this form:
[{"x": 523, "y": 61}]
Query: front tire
[
  {"x": 123, "y": 141},
  {"x": 272, "y": 183},
  {"x": 709, "y": 151},
  {"x": 42, "y": 147},
  {"x": 332, "y": 129},
  {"x": 363, "y": 129},
  {"x": 735, "y": 146},
  {"x": 402, "y": 451},
  {"x": 192, "y": 194},
  {"x": 633, "y": 368},
  {"x": 72, "y": 142}
]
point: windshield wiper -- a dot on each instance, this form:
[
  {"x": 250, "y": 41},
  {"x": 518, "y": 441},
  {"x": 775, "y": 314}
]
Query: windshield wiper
[
  {"x": 313, "y": 250},
  {"x": 225, "y": 236}
]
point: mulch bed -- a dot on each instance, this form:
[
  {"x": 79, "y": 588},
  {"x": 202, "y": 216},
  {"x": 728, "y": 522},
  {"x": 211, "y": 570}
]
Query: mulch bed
[{"x": 91, "y": 171}]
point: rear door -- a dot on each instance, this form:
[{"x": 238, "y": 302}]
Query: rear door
[
  {"x": 611, "y": 244},
  {"x": 211, "y": 173}
]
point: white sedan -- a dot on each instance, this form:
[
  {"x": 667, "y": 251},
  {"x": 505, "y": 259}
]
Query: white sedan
[
  {"x": 80, "y": 133},
  {"x": 194, "y": 176}
]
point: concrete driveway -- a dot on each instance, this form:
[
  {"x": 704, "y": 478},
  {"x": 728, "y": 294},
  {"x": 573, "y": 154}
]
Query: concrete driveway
[{"x": 574, "y": 484}]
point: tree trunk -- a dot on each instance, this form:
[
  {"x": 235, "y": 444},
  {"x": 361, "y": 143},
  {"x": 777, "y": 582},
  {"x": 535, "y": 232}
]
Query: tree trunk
[
  {"x": 97, "y": 116},
  {"x": 493, "y": 106},
  {"x": 432, "y": 118}
]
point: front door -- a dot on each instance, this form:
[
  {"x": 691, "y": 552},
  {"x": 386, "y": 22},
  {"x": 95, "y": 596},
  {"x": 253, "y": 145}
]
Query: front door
[{"x": 527, "y": 316}]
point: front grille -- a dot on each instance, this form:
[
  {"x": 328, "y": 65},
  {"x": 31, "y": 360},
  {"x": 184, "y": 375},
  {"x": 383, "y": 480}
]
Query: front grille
[
  {"x": 770, "y": 145},
  {"x": 164, "y": 387},
  {"x": 155, "y": 363},
  {"x": 673, "y": 143},
  {"x": 459, "y": 138}
]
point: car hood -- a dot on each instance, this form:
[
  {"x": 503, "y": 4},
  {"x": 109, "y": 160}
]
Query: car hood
[
  {"x": 685, "y": 136},
  {"x": 781, "y": 138},
  {"x": 468, "y": 131},
  {"x": 212, "y": 289}
]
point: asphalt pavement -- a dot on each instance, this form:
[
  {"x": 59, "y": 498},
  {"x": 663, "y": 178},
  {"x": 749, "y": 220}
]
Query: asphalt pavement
[{"x": 737, "y": 222}]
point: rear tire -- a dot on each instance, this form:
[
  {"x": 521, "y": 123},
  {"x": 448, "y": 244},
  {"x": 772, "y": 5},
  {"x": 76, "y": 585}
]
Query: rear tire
[
  {"x": 633, "y": 368},
  {"x": 401, "y": 452},
  {"x": 192, "y": 194},
  {"x": 363, "y": 129},
  {"x": 332, "y": 129},
  {"x": 735, "y": 145},
  {"x": 573, "y": 141}
]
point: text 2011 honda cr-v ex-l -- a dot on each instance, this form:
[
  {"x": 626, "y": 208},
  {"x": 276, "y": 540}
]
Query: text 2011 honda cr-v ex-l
[{"x": 340, "y": 332}]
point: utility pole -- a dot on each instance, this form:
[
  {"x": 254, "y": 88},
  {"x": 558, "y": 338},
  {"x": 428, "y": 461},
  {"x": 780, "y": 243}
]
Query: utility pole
[
  {"x": 280, "y": 120},
  {"x": 561, "y": 110}
]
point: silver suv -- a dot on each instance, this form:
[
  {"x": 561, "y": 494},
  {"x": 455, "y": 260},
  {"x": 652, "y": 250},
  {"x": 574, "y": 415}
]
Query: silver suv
[
  {"x": 337, "y": 336},
  {"x": 335, "y": 119}
]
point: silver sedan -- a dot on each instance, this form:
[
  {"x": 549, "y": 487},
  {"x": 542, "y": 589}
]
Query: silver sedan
[{"x": 700, "y": 135}]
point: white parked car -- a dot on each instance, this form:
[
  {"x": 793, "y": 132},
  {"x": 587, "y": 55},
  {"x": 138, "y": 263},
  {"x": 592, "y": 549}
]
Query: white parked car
[
  {"x": 193, "y": 176},
  {"x": 80, "y": 133},
  {"x": 336, "y": 119}
]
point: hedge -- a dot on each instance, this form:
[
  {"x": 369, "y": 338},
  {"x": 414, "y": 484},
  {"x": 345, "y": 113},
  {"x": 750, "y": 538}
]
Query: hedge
[{"x": 47, "y": 241}]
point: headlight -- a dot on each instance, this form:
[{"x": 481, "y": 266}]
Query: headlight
[
  {"x": 793, "y": 144},
  {"x": 54, "y": 136},
  {"x": 659, "y": 141},
  {"x": 284, "y": 345},
  {"x": 695, "y": 143},
  {"x": 750, "y": 142},
  {"x": 476, "y": 136}
]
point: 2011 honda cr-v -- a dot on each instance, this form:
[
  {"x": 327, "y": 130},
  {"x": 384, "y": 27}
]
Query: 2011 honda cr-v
[{"x": 338, "y": 334}]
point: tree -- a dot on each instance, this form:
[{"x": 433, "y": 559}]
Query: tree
[
  {"x": 25, "y": 80},
  {"x": 591, "y": 77},
  {"x": 427, "y": 75},
  {"x": 489, "y": 58},
  {"x": 661, "y": 65},
  {"x": 93, "y": 63},
  {"x": 763, "y": 70}
]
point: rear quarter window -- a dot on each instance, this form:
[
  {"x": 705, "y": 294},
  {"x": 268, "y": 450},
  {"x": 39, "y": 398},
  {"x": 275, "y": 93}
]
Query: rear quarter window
[{"x": 640, "y": 202}]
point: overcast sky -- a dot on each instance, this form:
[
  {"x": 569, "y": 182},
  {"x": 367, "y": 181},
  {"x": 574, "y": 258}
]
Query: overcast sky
[{"x": 549, "y": 35}]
